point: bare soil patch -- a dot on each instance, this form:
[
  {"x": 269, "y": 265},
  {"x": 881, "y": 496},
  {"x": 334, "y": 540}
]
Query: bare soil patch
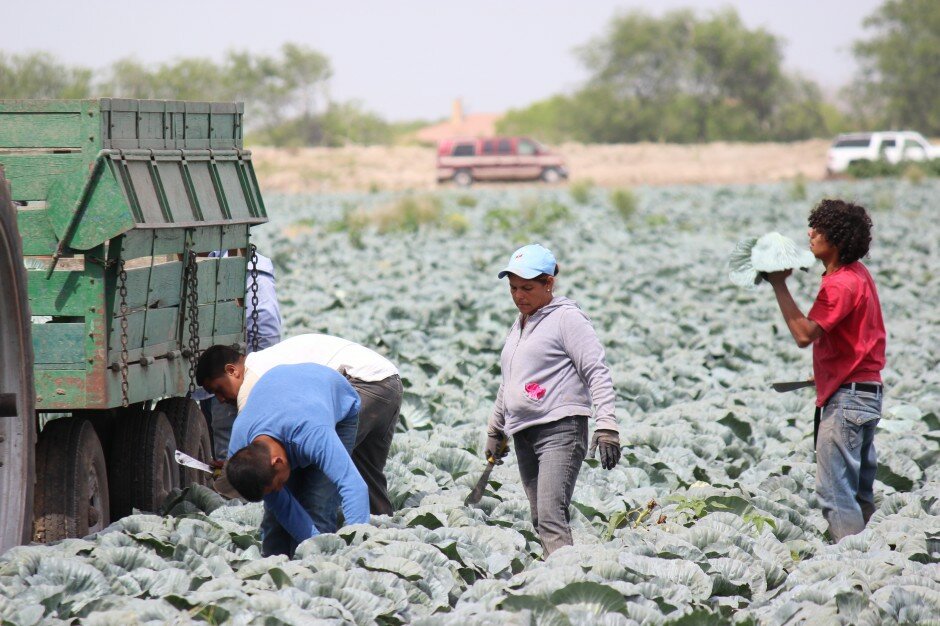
[{"x": 396, "y": 168}]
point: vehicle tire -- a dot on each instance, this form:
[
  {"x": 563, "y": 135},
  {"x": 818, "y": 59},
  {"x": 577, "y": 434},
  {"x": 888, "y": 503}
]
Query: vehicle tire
[
  {"x": 72, "y": 493},
  {"x": 142, "y": 463},
  {"x": 192, "y": 436},
  {"x": 551, "y": 175},
  {"x": 463, "y": 178},
  {"x": 17, "y": 395}
]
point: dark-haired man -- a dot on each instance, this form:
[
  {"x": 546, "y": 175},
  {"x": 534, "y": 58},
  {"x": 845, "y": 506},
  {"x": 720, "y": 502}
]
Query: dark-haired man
[
  {"x": 847, "y": 332},
  {"x": 290, "y": 447},
  {"x": 231, "y": 376}
]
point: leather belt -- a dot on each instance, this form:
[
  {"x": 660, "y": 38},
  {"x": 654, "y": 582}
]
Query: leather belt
[{"x": 867, "y": 387}]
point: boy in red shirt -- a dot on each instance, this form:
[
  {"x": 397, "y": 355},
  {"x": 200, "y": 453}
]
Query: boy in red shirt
[{"x": 848, "y": 336}]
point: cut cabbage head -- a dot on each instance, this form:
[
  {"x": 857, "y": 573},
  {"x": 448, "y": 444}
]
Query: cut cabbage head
[{"x": 773, "y": 252}]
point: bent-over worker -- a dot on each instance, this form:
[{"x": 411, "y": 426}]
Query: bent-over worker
[
  {"x": 290, "y": 448},
  {"x": 232, "y": 377}
]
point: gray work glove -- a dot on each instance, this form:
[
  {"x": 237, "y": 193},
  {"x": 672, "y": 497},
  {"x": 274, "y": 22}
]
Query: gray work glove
[
  {"x": 497, "y": 445},
  {"x": 609, "y": 443}
]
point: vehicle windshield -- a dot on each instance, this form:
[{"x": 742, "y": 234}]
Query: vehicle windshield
[{"x": 852, "y": 142}]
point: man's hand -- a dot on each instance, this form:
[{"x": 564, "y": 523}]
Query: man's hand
[
  {"x": 497, "y": 446},
  {"x": 777, "y": 278},
  {"x": 609, "y": 443}
]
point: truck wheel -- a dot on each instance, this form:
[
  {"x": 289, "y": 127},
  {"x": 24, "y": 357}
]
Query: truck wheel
[
  {"x": 141, "y": 463},
  {"x": 463, "y": 178},
  {"x": 551, "y": 175},
  {"x": 192, "y": 436},
  {"x": 17, "y": 397},
  {"x": 72, "y": 494}
]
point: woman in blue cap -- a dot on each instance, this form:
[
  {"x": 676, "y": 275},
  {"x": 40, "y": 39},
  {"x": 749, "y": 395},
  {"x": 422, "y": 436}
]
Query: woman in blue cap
[{"x": 553, "y": 371}]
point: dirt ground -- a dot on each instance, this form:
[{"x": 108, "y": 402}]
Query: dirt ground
[{"x": 380, "y": 168}]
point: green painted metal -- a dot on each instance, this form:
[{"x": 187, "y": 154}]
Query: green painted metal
[
  {"x": 59, "y": 344},
  {"x": 36, "y": 232},
  {"x": 143, "y": 182}
]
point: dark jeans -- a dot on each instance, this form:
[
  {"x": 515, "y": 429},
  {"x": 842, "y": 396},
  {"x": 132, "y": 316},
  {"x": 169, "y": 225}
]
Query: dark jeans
[
  {"x": 846, "y": 460},
  {"x": 317, "y": 495},
  {"x": 550, "y": 457},
  {"x": 378, "y": 418}
]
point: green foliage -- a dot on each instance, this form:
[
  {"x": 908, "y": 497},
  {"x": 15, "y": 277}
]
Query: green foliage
[
  {"x": 914, "y": 173},
  {"x": 898, "y": 79},
  {"x": 40, "y": 75},
  {"x": 581, "y": 191},
  {"x": 534, "y": 216},
  {"x": 798, "y": 187},
  {"x": 624, "y": 202},
  {"x": 466, "y": 200},
  {"x": 285, "y": 94},
  {"x": 682, "y": 78}
]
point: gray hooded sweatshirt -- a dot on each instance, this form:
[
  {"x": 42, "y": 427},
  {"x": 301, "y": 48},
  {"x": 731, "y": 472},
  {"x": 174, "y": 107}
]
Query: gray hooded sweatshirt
[{"x": 553, "y": 368}]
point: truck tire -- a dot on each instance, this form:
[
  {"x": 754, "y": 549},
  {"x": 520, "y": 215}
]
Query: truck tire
[
  {"x": 72, "y": 493},
  {"x": 141, "y": 463},
  {"x": 17, "y": 396},
  {"x": 463, "y": 178},
  {"x": 551, "y": 175},
  {"x": 192, "y": 436}
]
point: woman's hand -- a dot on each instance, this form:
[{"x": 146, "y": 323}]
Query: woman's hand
[
  {"x": 497, "y": 446},
  {"x": 609, "y": 443}
]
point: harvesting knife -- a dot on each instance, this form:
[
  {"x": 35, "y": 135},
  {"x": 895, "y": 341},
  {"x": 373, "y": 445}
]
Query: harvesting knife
[
  {"x": 792, "y": 386},
  {"x": 477, "y": 493},
  {"x": 187, "y": 461}
]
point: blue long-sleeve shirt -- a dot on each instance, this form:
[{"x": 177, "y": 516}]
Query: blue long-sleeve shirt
[{"x": 300, "y": 405}]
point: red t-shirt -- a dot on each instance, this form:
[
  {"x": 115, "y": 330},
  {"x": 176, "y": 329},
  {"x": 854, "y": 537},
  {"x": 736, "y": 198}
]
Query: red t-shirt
[{"x": 852, "y": 350}]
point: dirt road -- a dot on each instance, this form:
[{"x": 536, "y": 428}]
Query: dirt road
[{"x": 627, "y": 165}]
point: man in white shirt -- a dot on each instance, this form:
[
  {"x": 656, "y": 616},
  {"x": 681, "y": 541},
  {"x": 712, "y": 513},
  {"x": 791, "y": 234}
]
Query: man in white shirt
[{"x": 230, "y": 376}]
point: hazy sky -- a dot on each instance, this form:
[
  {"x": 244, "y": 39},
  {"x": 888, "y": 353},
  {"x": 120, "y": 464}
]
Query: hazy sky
[{"x": 410, "y": 58}]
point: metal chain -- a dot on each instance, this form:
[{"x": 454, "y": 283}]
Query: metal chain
[
  {"x": 122, "y": 290},
  {"x": 254, "y": 334},
  {"x": 192, "y": 305}
]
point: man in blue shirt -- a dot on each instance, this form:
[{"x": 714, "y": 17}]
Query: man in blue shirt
[{"x": 290, "y": 448}]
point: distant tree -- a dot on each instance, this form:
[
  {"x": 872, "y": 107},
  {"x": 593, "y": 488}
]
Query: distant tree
[
  {"x": 40, "y": 75},
  {"x": 899, "y": 77},
  {"x": 683, "y": 78}
]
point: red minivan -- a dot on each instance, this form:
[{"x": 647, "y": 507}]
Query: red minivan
[{"x": 497, "y": 158}]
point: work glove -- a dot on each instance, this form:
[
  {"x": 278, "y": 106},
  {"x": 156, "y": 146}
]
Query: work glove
[
  {"x": 609, "y": 443},
  {"x": 497, "y": 445}
]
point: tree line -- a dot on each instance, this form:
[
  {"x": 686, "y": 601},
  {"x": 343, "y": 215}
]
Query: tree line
[
  {"x": 286, "y": 95},
  {"x": 683, "y": 77},
  {"x": 679, "y": 77}
]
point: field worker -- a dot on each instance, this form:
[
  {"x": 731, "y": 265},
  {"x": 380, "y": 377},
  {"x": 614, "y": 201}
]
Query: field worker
[
  {"x": 847, "y": 332},
  {"x": 231, "y": 377},
  {"x": 553, "y": 370},
  {"x": 268, "y": 328},
  {"x": 290, "y": 447}
]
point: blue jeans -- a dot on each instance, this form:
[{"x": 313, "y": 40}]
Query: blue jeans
[
  {"x": 846, "y": 460},
  {"x": 315, "y": 492},
  {"x": 550, "y": 457}
]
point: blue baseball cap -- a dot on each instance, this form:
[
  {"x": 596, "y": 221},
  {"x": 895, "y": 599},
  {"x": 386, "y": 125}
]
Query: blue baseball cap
[{"x": 530, "y": 261}]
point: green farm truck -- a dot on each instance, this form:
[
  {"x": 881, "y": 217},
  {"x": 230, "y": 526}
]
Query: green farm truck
[{"x": 108, "y": 212}]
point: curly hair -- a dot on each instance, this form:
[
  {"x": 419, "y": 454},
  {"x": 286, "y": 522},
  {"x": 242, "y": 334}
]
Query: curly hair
[{"x": 845, "y": 225}]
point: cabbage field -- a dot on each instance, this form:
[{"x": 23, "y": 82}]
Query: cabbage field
[{"x": 711, "y": 515}]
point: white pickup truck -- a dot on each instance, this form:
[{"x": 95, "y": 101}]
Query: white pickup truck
[{"x": 892, "y": 146}]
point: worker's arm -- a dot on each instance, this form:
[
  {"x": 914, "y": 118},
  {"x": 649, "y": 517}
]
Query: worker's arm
[
  {"x": 326, "y": 451},
  {"x": 291, "y": 515},
  {"x": 804, "y": 330}
]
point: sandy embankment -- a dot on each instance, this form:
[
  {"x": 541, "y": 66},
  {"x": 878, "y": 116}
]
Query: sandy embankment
[{"x": 312, "y": 170}]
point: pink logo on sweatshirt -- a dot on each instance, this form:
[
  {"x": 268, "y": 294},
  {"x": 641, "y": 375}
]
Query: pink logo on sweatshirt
[{"x": 535, "y": 391}]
